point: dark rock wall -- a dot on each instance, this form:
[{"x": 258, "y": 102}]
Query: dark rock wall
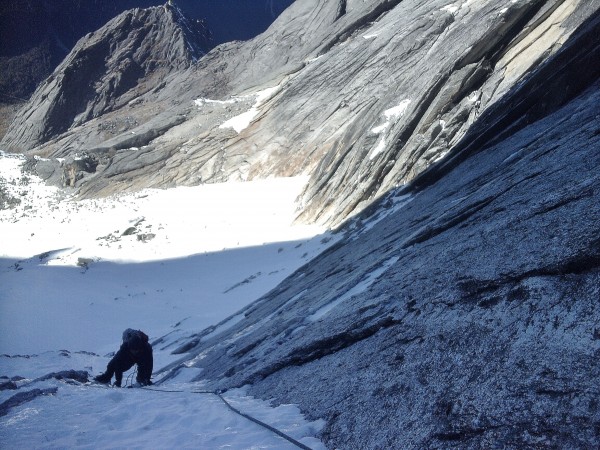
[
  {"x": 483, "y": 332},
  {"x": 460, "y": 312}
]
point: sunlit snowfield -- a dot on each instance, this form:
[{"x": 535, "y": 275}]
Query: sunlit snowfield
[{"x": 74, "y": 274}]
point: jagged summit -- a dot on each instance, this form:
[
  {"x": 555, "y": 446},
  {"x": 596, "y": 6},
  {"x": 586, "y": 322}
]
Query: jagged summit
[
  {"x": 195, "y": 34},
  {"x": 107, "y": 69}
]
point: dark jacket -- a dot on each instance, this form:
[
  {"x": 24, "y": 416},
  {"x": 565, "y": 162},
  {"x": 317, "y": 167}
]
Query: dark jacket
[
  {"x": 126, "y": 357},
  {"x": 135, "y": 350}
]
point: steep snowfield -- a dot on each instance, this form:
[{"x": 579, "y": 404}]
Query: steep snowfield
[{"x": 74, "y": 274}]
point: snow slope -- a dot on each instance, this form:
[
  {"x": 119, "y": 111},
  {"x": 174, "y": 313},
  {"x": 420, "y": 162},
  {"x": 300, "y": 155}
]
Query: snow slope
[{"x": 74, "y": 274}]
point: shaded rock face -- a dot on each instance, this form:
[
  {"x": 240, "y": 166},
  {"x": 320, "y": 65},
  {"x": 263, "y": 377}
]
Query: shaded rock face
[
  {"x": 106, "y": 70},
  {"x": 461, "y": 311},
  {"x": 457, "y": 311},
  {"x": 36, "y": 35},
  {"x": 481, "y": 330}
]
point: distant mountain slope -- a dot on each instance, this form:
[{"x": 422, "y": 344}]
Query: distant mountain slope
[
  {"x": 109, "y": 68},
  {"x": 35, "y": 36},
  {"x": 363, "y": 96}
]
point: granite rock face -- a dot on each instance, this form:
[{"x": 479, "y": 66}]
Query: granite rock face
[
  {"x": 361, "y": 96},
  {"x": 461, "y": 315},
  {"x": 460, "y": 307},
  {"x": 460, "y": 311}
]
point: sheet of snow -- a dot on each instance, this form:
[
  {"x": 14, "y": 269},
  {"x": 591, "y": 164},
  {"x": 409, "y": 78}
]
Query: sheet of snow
[
  {"x": 390, "y": 116},
  {"x": 242, "y": 121},
  {"x": 397, "y": 111},
  {"x": 75, "y": 274},
  {"x": 72, "y": 280},
  {"x": 380, "y": 147},
  {"x": 95, "y": 417},
  {"x": 201, "y": 101},
  {"x": 452, "y": 8},
  {"x": 185, "y": 221}
]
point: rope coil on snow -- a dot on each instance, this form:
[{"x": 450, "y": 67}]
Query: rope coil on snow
[
  {"x": 232, "y": 408},
  {"x": 265, "y": 425},
  {"x": 244, "y": 415}
]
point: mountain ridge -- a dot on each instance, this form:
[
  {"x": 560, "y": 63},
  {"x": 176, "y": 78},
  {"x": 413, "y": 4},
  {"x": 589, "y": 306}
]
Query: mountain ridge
[
  {"x": 108, "y": 69},
  {"x": 353, "y": 117},
  {"x": 455, "y": 149}
]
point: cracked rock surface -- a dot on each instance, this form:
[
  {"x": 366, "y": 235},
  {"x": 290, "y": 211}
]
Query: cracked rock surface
[
  {"x": 461, "y": 312},
  {"x": 362, "y": 96}
]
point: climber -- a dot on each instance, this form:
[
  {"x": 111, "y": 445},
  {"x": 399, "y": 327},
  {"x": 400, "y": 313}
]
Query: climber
[{"x": 135, "y": 349}]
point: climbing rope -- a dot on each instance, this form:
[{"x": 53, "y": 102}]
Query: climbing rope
[
  {"x": 13, "y": 97},
  {"x": 129, "y": 383},
  {"x": 129, "y": 379},
  {"x": 237, "y": 411}
]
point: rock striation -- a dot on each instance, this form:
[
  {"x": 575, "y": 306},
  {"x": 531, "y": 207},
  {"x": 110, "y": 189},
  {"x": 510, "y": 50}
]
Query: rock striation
[
  {"x": 460, "y": 311},
  {"x": 362, "y": 96},
  {"x": 456, "y": 145}
]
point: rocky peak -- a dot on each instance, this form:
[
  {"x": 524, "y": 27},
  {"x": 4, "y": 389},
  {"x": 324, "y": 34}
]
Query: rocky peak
[{"x": 106, "y": 70}]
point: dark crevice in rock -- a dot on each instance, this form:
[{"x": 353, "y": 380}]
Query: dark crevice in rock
[
  {"x": 452, "y": 218},
  {"x": 327, "y": 346},
  {"x": 430, "y": 231},
  {"x": 501, "y": 36},
  {"x": 141, "y": 136},
  {"x": 363, "y": 21},
  {"x": 483, "y": 58},
  {"x": 400, "y": 141},
  {"x": 534, "y": 19},
  {"x": 248, "y": 348},
  {"x": 551, "y": 206},
  {"x": 571, "y": 71},
  {"x": 473, "y": 289},
  {"x": 24, "y": 397},
  {"x": 555, "y": 393},
  {"x": 341, "y": 11}
]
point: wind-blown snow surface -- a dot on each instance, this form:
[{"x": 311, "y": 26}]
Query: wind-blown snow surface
[{"x": 75, "y": 274}]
